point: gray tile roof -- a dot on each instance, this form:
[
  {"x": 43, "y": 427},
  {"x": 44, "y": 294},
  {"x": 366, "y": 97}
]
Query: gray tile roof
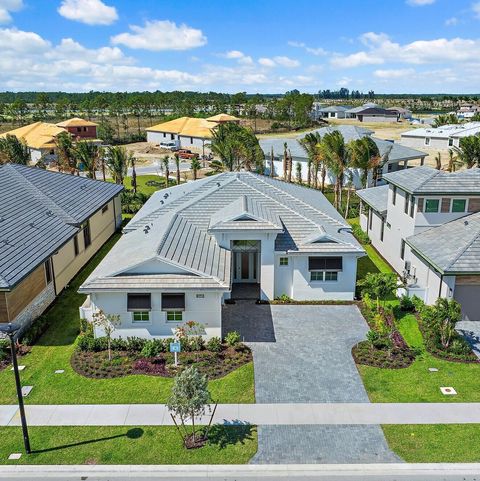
[
  {"x": 452, "y": 248},
  {"x": 375, "y": 197},
  {"x": 178, "y": 232},
  {"x": 39, "y": 211},
  {"x": 425, "y": 180},
  {"x": 397, "y": 152}
]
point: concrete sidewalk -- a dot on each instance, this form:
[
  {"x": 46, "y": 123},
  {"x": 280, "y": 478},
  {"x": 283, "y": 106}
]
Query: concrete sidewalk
[{"x": 259, "y": 414}]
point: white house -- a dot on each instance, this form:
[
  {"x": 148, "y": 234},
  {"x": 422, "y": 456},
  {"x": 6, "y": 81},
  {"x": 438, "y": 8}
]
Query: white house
[
  {"x": 330, "y": 112},
  {"x": 195, "y": 245},
  {"x": 442, "y": 138},
  {"x": 425, "y": 223},
  {"x": 395, "y": 156}
]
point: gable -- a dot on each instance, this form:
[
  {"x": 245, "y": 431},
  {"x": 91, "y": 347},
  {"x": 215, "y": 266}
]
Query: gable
[{"x": 155, "y": 266}]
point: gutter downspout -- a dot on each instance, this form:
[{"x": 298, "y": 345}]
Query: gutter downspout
[{"x": 440, "y": 287}]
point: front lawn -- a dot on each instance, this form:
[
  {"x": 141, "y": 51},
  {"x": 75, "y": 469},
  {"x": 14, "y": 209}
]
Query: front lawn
[
  {"x": 435, "y": 443},
  {"x": 126, "y": 445},
  {"x": 148, "y": 184},
  {"x": 54, "y": 350}
]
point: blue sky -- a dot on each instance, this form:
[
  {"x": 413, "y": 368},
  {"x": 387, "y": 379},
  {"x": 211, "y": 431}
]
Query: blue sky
[{"x": 391, "y": 46}]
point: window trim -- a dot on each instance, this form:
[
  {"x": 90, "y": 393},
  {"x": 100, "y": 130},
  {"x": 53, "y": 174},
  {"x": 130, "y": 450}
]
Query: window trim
[
  {"x": 141, "y": 321},
  {"x": 175, "y": 314},
  {"x": 283, "y": 261},
  {"x": 323, "y": 275},
  {"x": 458, "y": 211},
  {"x": 425, "y": 208}
]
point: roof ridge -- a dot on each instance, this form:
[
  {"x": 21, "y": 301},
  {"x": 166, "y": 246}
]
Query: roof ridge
[
  {"x": 38, "y": 194},
  {"x": 475, "y": 237},
  {"x": 435, "y": 173}
]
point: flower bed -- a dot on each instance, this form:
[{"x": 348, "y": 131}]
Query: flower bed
[
  {"x": 214, "y": 364},
  {"x": 395, "y": 358}
]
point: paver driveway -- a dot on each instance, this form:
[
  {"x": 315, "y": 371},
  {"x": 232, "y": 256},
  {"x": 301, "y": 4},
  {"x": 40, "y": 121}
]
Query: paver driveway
[{"x": 302, "y": 353}]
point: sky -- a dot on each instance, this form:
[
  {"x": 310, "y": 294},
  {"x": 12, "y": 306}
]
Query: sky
[{"x": 264, "y": 46}]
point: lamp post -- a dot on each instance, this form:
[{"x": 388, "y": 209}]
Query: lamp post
[{"x": 10, "y": 330}]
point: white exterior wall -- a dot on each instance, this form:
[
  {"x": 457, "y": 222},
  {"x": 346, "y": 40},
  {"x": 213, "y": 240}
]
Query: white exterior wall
[
  {"x": 419, "y": 142},
  {"x": 377, "y": 118},
  {"x": 193, "y": 142},
  {"x": 206, "y": 310},
  {"x": 157, "y": 137}
]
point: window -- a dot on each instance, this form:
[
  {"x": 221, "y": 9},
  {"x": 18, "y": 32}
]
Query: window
[
  {"x": 164, "y": 134},
  {"x": 174, "y": 316},
  {"x": 48, "y": 271},
  {"x": 139, "y": 302},
  {"x": 173, "y": 302},
  {"x": 104, "y": 208},
  {"x": 382, "y": 229},
  {"x": 394, "y": 194},
  {"x": 200, "y": 296},
  {"x": 172, "y": 136},
  {"x": 87, "y": 238},
  {"x": 412, "y": 206},
  {"x": 324, "y": 263},
  {"x": 450, "y": 142},
  {"x": 75, "y": 246},
  {"x": 431, "y": 205},
  {"x": 191, "y": 140},
  {"x": 79, "y": 129},
  {"x": 427, "y": 141},
  {"x": 140, "y": 316},
  {"x": 84, "y": 129},
  {"x": 324, "y": 276},
  {"x": 402, "y": 249},
  {"x": 459, "y": 205},
  {"x": 407, "y": 199},
  {"x": 284, "y": 261}
]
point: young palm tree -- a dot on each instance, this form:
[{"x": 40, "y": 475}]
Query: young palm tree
[
  {"x": 88, "y": 154},
  {"x": 272, "y": 165},
  {"x": 117, "y": 160},
  {"x": 13, "y": 150},
  {"x": 438, "y": 161},
  {"x": 132, "y": 161},
  {"x": 312, "y": 146},
  {"x": 468, "y": 151},
  {"x": 225, "y": 145},
  {"x": 285, "y": 161},
  {"x": 166, "y": 168},
  {"x": 452, "y": 161},
  {"x": 66, "y": 153},
  {"x": 177, "y": 165},
  {"x": 195, "y": 166},
  {"x": 364, "y": 155}
]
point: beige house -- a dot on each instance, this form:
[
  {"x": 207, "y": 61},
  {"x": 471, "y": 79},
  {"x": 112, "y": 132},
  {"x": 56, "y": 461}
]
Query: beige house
[{"x": 51, "y": 224}]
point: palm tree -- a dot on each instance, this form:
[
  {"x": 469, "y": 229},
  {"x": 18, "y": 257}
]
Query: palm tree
[
  {"x": 311, "y": 144},
  {"x": 364, "y": 155},
  {"x": 166, "y": 168},
  {"x": 445, "y": 119},
  {"x": 132, "y": 160},
  {"x": 177, "y": 164},
  {"x": 13, "y": 150},
  {"x": 468, "y": 151},
  {"x": 66, "y": 153},
  {"x": 452, "y": 161},
  {"x": 195, "y": 166},
  {"x": 285, "y": 161},
  {"x": 117, "y": 160},
  {"x": 272, "y": 165},
  {"x": 438, "y": 161},
  {"x": 337, "y": 159},
  {"x": 88, "y": 154}
]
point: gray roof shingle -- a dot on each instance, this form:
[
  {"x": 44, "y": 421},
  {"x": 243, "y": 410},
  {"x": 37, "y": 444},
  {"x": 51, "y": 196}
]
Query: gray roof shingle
[
  {"x": 39, "y": 211},
  {"x": 375, "y": 197},
  {"x": 452, "y": 248},
  {"x": 179, "y": 231}
]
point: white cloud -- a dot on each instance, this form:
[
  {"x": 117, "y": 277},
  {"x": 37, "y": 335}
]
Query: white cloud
[
  {"x": 239, "y": 56},
  {"x": 394, "y": 73},
  {"x": 452, "y": 21},
  {"x": 7, "y": 6},
  {"x": 279, "y": 60},
  {"x": 266, "y": 62},
  {"x": 344, "y": 82},
  {"x": 314, "y": 51},
  {"x": 380, "y": 49},
  {"x": 476, "y": 9},
  {"x": 420, "y": 3},
  {"x": 157, "y": 35},
  {"x": 91, "y": 12}
]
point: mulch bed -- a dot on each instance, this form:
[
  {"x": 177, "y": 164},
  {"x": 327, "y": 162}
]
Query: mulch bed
[
  {"x": 214, "y": 365},
  {"x": 395, "y": 358},
  {"x": 21, "y": 351}
]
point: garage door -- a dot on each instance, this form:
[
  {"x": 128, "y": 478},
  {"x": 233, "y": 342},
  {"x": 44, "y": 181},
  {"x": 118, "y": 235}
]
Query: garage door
[{"x": 469, "y": 297}]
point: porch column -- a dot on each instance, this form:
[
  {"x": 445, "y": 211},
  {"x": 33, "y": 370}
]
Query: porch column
[{"x": 267, "y": 266}]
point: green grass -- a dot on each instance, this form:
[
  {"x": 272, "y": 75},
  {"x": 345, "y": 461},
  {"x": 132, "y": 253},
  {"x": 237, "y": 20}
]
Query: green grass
[
  {"x": 54, "y": 350},
  {"x": 142, "y": 183},
  {"x": 125, "y": 445},
  {"x": 435, "y": 443}
]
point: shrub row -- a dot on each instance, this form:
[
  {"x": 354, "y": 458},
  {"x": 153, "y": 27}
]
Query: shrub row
[
  {"x": 361, "y": 236},
  {"x": 35, "y": 330}
]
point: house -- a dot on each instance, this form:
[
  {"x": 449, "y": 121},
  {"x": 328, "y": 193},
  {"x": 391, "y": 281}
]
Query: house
[
  {"x": 352, "y": 112},
  {"x": 40, "y": 139},
  {"x": 426, "y": 224},
  {"x": 395, "y": 156},
  {"x": 441, "y": 138},
  {"x": 402, "y": 112},
  {"x": 193, "y": 246},
  {"x": 80, "y": 128},
  {"x": 51, "y": 224},
  {"x": 188, "y": 132},
  {"x": 467, "y": 111},
  {"x": 331, "y": 112},
  {"x": 373, "y": 114}
]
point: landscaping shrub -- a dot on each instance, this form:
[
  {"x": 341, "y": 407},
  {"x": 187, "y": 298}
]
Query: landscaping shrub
[
  {"x": 283, "y": 298},
  {"x": 360, "y": 234},
  {"x": 4, "y": 349},
  {"x": 135, "y": 344},
  {"x": 35, "y": 330},
  {"x": 85, "y": 326},
  {"x": 214, "y": 344},
  {"x": 407, "y": 304},
  {"x": 417, "y": 303},
  {"x": 196, "y": 343},
  {"x": 150, "y": 366},
  {"x": 152, "y": 348},
  {"x": 89, "y": 343},
  {"x": 232, "y": 338}
]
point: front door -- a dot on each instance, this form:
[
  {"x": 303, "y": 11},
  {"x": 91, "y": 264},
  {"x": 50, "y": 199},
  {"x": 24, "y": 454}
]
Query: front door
[{"x": 245, "y": 267}]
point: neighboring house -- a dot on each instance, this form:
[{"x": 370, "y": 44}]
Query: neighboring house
[
  {"x": 188, "y": 132},
  {"x": 195, "y": 245},
  {"x": 352, "y": 112},
  {"x": 331, "y": 112},
  {"x": 402, "y": 112},
  {"x": 40, "y": 139},
  {"x": 467, "y": 111},
  {"x": 374, "y": 114},
  {"x": 396, "y": 156},
  {"x": 80, "y": 128},
  {"x": 442, "y": 138},
  {"x": 425, "y": 223},
  {"x": 51, "y": 224}
]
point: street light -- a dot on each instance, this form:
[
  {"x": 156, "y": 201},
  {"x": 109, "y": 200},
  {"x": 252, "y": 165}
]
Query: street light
[{"x": 10, "y": 330}]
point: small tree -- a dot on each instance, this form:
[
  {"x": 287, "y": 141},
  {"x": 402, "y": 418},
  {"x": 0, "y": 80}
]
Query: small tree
[
  {"x": 446, "y": 315},
  {"x": 177, "y": 166},
  {"x": 190, "y": 399},
  {"x": 379, "y": 285},
  {"x": 166, "y": 168},
  {"x": 108, "y": 323},
  {"x": 195, "y": 166}
]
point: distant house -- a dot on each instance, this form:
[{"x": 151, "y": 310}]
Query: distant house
[
  {"x": 40, "y": 139},
  {"x": 80, "y": 128},
  {"x": 396, "y": 156},
  {"x": 467, "y": 111},
  {"x": 373, "y": 114},
  {"x": 188, "y": 132},
  {"x": 402, "y": 112},
  {"x": 51, "y": 224},
  {"x": 330, "y": 112},
  {"x": 426, "y": 224},
  {"x": 441, "y": 138},
  {"x": 195, "y": 245}
]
